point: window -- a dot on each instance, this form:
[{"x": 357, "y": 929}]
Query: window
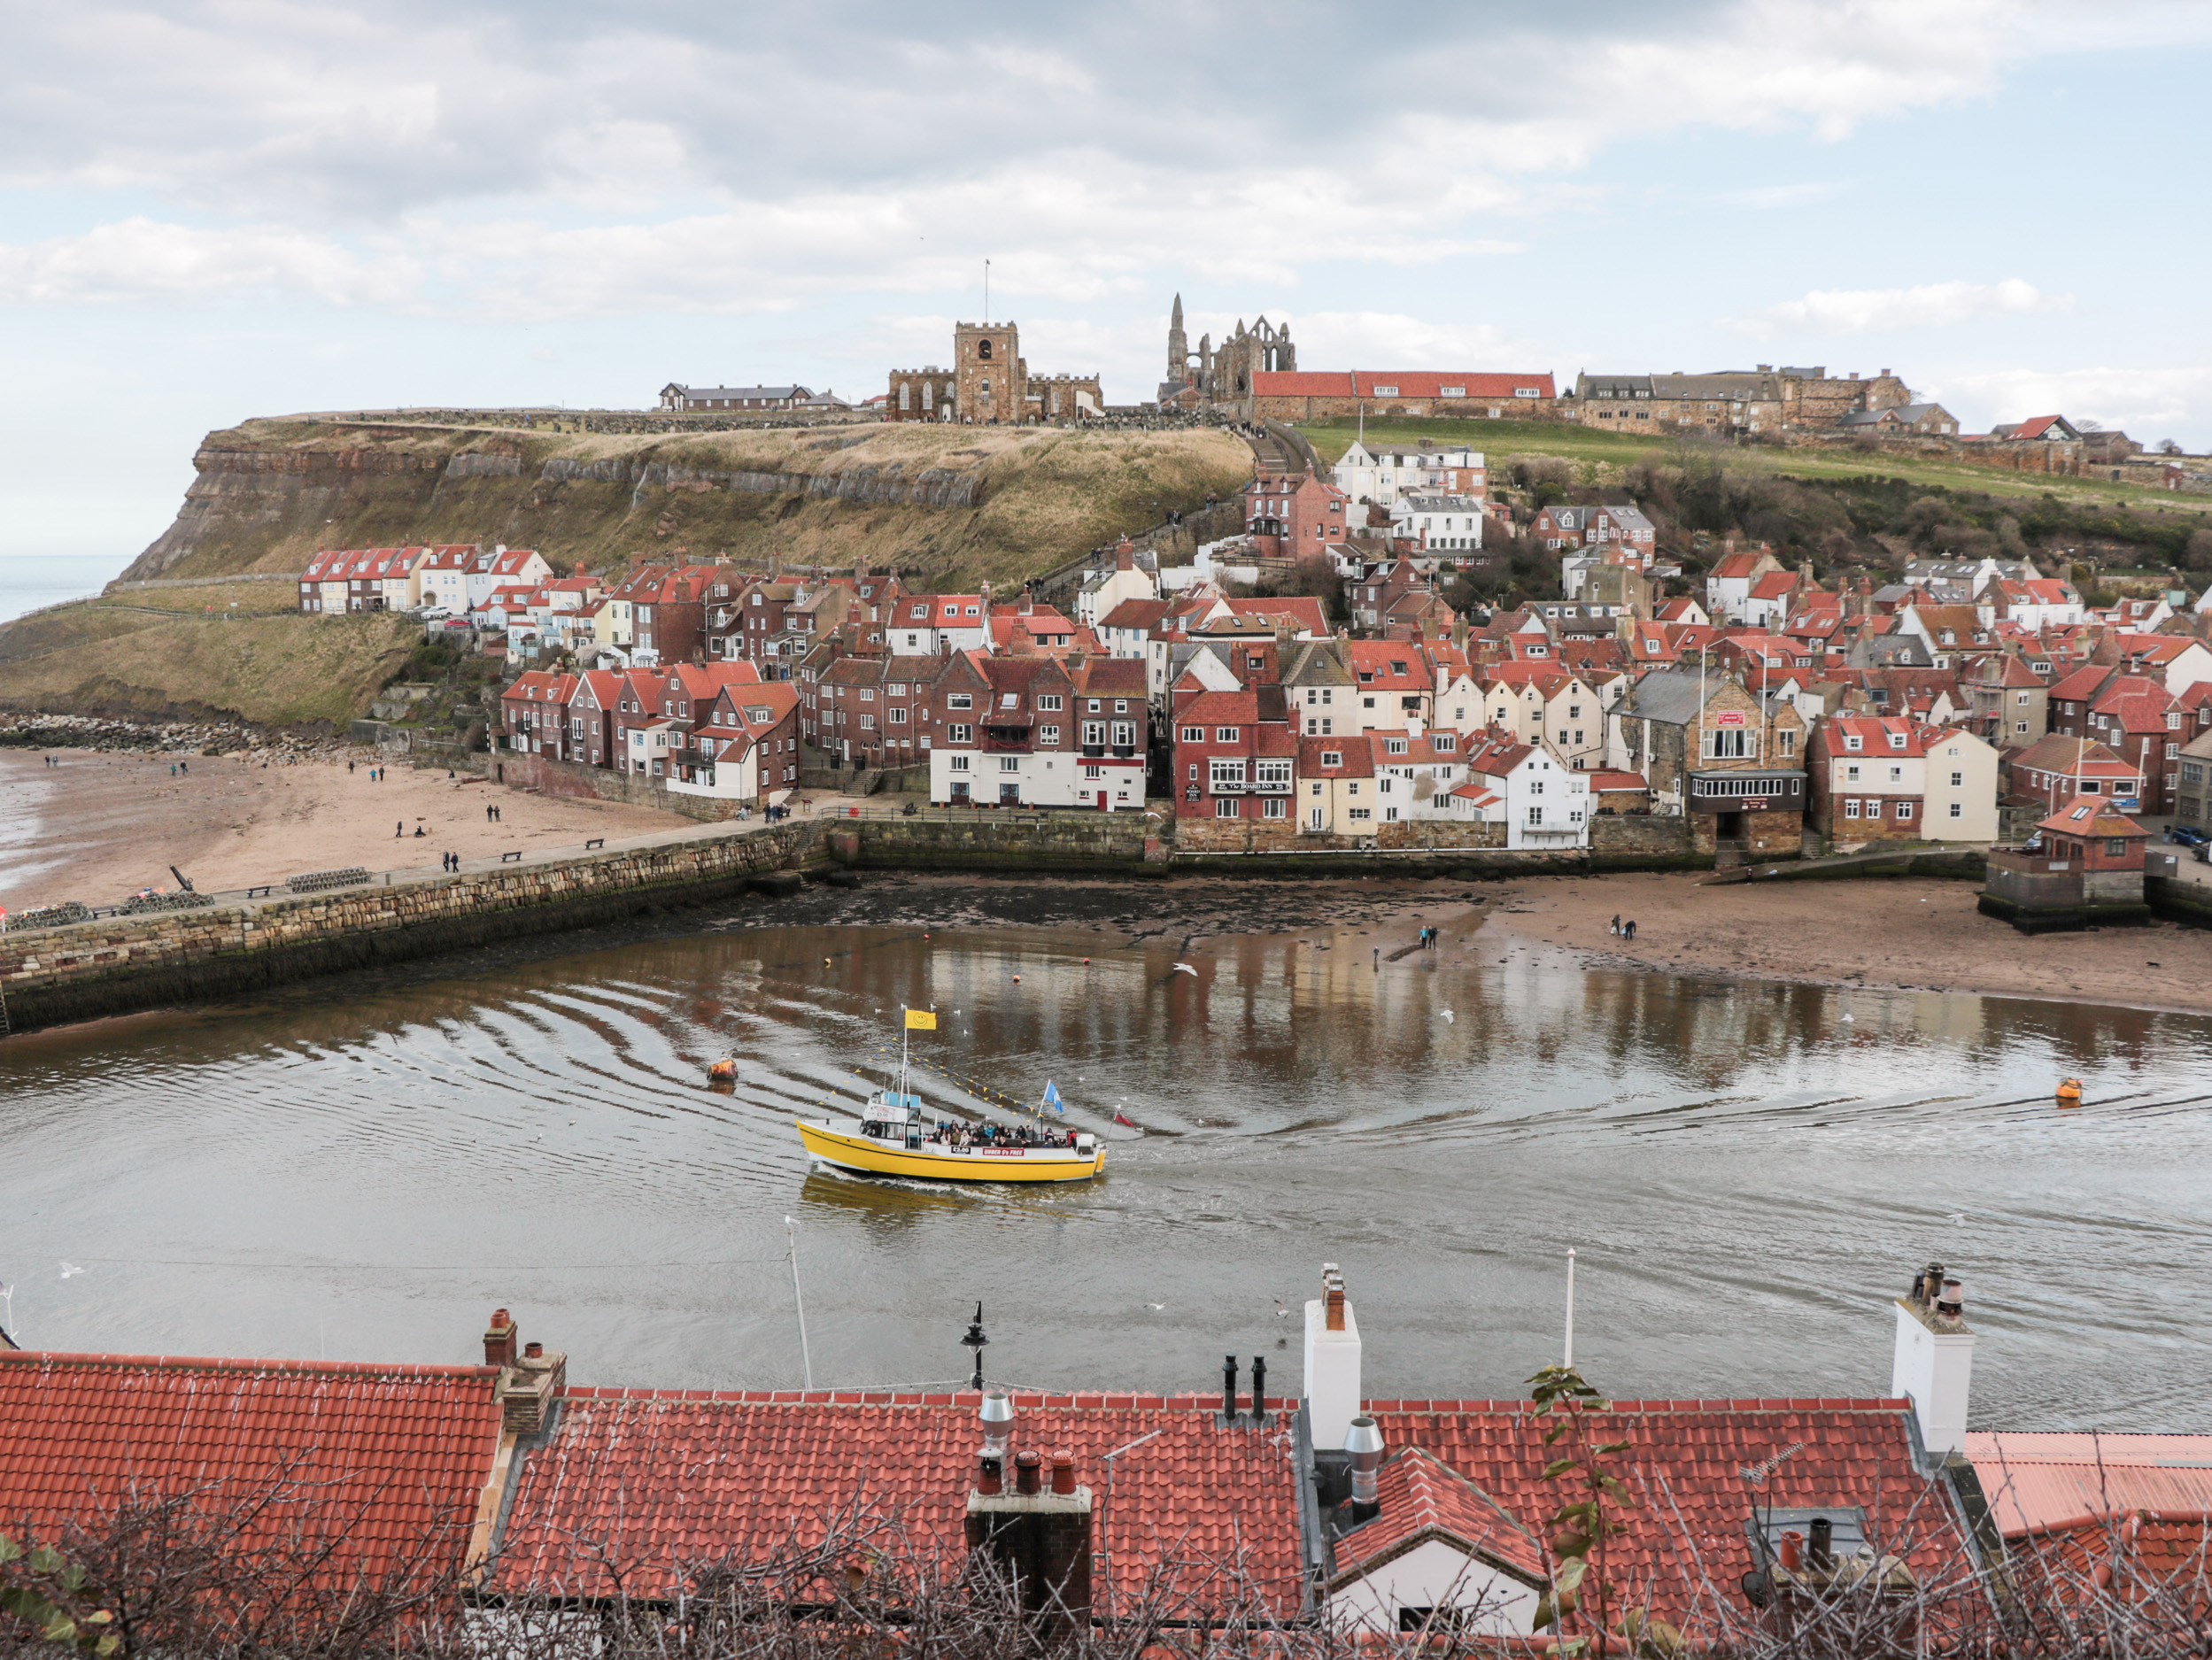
[
  {"x": 1193, "y": 735},
  {"x": 1049, "y": 703},
  {"x": 1228, "y": 773},
  {"x": 1221, "y": 734},
  {"x": 960, "y": 763},
  {"x": 1851, "y": 775},
  {"x": 1896, "y": 775},
  {"x": 1957, "y": 809},
  {"x": 1904, "y": 810},
  {"x": 1535, "y": 815},
  {"x": 960, "y": 734},
  {"x": 1733, "y": 744},
  {"x": 1787, "y": 738},
  {"x": 1850, "y": 809},
  {"x": 2116, "y": 848},
  {"x": 1010, "y": 763},
  {"x": 960, "y": 700},
  {"x": 1396, "y": 745},
  {"x": 1048, "y": 735},
  {"x": 1274, "y": 807},
  {"x": 897, "y": 717},
  {"x": 1227, "y": 807}
]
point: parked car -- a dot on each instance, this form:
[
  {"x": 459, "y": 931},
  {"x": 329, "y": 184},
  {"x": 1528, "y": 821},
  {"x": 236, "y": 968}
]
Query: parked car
[{"x": 2187, "y": 835}]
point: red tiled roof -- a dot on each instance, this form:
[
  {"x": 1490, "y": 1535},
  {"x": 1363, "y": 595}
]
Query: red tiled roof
[
  {"x": 2090, "y": 816},
  {"x": 378, "y": 1458},
  {"x": 1421, "y": 1497},
  {"x": 2038, "y": 1482},
  {"x": 1708, "y": 1461},
  {"x": 660, "y": 1480}
]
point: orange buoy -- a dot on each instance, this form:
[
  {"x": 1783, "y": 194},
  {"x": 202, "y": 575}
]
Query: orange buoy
[
  {"x": 2069, "y": 1091},
  {"x": 725, "y": 1070},
  {"x": 1017, "y": 979}
]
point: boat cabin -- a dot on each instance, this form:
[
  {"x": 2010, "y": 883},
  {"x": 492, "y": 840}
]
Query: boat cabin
[{"x": 891, "y": 1117}]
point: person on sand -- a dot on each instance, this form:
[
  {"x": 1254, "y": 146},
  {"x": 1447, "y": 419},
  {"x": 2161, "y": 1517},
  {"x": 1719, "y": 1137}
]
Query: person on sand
[
  {"x": 418, "y": 829},
  {"x": 1629, "y": 928},
  {"x": 1616, "y": 923},
  {"x": 399, "y": 830},
  {"x": 349, "y": 768}
]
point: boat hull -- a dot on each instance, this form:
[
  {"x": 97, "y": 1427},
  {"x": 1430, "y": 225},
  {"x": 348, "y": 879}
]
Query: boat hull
[{"x": 865, "y": 1155}]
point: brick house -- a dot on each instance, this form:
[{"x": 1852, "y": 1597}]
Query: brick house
[
  {"x": 744, "y": 746},
  {"x": 1235, "y": 755},
  {"x": 534, "y": 715},
  {"x": 1294, "y": 515},
  {"x": 1889, "y": 778},
  {"x": 1295, "y": 395},
  {"x": 1613, "y": 525},
  {"x": 1038, "y": 731}
]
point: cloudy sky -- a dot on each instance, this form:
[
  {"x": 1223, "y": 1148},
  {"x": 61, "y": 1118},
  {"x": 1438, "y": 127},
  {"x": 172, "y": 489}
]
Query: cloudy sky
[{"x": 245, "y": 207}]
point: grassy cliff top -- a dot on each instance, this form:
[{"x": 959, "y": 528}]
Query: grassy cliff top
[{"x": 271, "y": 492}]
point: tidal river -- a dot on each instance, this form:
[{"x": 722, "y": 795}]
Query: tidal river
[{"x": 366, "y": 1166}]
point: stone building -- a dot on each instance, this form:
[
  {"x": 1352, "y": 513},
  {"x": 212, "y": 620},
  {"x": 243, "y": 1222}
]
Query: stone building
[
  {"x": 989, "y": 385},
  {"x": 1222, "y": 375},
  {"x": 1731, "y": 761},
  {"x": 1760, "y": 399}
]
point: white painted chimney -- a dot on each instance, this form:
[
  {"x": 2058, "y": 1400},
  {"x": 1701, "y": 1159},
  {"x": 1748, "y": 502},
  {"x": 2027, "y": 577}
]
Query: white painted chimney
[
  {"x": 1332, "y": 1375},
  {"x": 1934, "y": 1366}
]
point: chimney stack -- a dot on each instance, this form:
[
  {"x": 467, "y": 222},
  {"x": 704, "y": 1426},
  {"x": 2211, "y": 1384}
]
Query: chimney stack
[
  {"x": 1934, "y": 1363},
  {"x": 1039, "y": 1535},
  {"x": 530, "y": 1382},
  {"x": 1229, "y": 1388},
  {"x": 1332, "y": 1390},
  {"x": 1362, "y": 1445},
  {"x": 500, "y": 1339},
  {"x": 1259, "y": 1389}
]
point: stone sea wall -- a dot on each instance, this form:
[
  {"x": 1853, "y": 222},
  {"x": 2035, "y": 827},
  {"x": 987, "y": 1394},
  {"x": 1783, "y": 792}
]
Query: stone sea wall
[
  {"x": 118, "y": 965},
  {"x": 121, "y": 964}
]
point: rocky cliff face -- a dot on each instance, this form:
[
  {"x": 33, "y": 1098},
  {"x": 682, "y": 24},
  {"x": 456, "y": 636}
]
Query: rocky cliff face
[{"x": 958, "y": 503}]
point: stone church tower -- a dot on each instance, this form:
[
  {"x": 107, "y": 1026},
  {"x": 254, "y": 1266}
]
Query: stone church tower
[
  {"x": 1177, "y": 346},
  {"x": 1222, "y": 375}
]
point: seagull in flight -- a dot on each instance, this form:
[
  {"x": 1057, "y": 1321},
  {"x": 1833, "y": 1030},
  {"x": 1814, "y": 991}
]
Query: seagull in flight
[
  {"x": 1184, "y": 967},
  {"x": 68, "y": 1269}
]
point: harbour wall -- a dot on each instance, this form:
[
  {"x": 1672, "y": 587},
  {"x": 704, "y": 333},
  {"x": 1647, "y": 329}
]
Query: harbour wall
[{"x": 124, "y": 964}]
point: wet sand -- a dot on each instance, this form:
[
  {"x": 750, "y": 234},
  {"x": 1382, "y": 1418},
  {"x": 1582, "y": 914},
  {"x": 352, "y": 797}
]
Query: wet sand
[
  {"x": 102, "y": 824},
  {"x": 1911, "y": 934}
]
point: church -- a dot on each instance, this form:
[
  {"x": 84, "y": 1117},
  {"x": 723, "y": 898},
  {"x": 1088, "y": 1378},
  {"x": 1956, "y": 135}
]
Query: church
[
  {"x": 1221, "y": 375},
  {"x": 989, "y": 385}
]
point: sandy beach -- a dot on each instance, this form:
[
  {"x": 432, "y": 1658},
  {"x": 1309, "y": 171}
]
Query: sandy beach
[
  {"x": 102, "y": 824},
  {"x": 1917, "y": 935}
]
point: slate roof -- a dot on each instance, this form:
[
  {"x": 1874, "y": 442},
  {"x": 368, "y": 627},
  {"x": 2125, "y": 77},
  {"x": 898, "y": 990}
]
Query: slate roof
[
  {"x": 662, "y": 1479},
  {"x": 1674, "y": 696},
  {"x": 382, "y": 1456}
]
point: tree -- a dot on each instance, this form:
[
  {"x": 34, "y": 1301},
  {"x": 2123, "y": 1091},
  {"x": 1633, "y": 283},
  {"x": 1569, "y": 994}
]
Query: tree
[
  {"x": 2197, "y": 556},
  {"x": 2166, "y": 446}
]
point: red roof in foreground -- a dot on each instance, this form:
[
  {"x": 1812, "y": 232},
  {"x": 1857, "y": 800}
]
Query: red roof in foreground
[
  {"x": 377, "y": 1457},
  {"x": 661, "y": 1481},
  {"x": 1709, "y": 1462},
  {"x": 2037, "y": 1483}
]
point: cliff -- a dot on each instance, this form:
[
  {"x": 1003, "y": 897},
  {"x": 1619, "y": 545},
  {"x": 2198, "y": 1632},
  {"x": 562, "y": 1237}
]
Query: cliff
[{"x": 959, "y": 504}]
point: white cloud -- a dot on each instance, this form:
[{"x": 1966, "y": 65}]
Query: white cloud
[
  {"x": 140, "y": 260},
  {"x": 1928, "y": 305}
]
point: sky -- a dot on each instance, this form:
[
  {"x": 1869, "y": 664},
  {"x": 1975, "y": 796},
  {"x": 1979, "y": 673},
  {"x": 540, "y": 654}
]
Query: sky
[{"x": 214, "y": 211}]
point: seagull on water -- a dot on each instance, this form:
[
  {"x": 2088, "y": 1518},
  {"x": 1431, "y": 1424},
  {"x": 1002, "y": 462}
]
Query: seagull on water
[
  {"x": 68, "y": 1269},
  {"x": 1184, "y": 967}
]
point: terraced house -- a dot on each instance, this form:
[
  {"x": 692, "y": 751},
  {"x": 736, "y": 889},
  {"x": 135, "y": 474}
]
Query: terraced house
[{"x": 1038, "y": 731}]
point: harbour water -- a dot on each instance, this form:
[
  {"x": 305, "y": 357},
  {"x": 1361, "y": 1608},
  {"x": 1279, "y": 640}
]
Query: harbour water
[{"x": 365, "y": 1167}]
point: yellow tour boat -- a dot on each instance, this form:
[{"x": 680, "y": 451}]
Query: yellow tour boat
[{"x": 893, "y": 1138}]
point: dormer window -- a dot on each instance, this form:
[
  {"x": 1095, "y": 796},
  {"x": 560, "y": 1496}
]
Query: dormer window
[
  {"x": 1396, "y": 745},
  {"x": 1850, "y": 741},
  {"x": 1332, "y": 758},
  {"x": 1897, "y": 740}
]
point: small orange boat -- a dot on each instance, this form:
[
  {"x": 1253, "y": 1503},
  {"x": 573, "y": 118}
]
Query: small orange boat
[
  {"x": 722, "y": 1072},
  {"x": 2069, "y": 1091}
]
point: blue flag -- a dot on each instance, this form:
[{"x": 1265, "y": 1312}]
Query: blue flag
[{"x": 1052, "y": 1097}]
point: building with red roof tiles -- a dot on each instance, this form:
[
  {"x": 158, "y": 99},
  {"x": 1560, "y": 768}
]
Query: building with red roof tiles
[
  {"x": 931, "y": 625},
  {"x": 1235, "y": 756},
  {"x": 376, "y": 1469},
  {"x": 743, "y": 744},
  {"x": 2084, "y": 865},
  {"x": 1415, "y": 771},
  {"x": 1893, "y": 778},
  {"x": 1335, "y": 784},
  {"x": 1728, "y": 583},
  {"x": 2055, "y": 768},
  {"x": 356, "y": 580},
  {"x": 2128, "y": 1515},
  {"x": 534, "y": 717},
  {"x": 1393, "y": 682},
  {"x": 1468, "y": 394},
  {"x": 1038, "y": 731},
  {"x": 2010, "y": 703},
  {"x": 1544, "y": 803},
  {"x": 1305, "y": 613},
  {"x": 2132, "y": 715}
]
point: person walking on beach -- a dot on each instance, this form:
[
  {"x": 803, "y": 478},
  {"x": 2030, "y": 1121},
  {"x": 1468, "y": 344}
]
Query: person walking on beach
[
  {"x": 399, "y": 830},
  {"x": 1616, "y": 923},
  {"x": 1378, "y": 959},
  {"x": 1629, "y": 928},
  {"x": 349, "y": 768},
  {"x": 487, "y": 812}
]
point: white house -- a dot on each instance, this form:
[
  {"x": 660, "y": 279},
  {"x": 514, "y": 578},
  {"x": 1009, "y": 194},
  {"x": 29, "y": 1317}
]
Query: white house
[
  {"x": 1439, "y": 524},
  {"x": 927, "y": 625},
  {"x": 744, "y": 747},
  {"x": 1439, "y": 1552},
  {"x": 503, "y": 567},
  {"x": 1382, "y": 475},
  {"x": 1125, "y": 579},
  {"x": 1546, "y": 802},
  {"x": 1415, "y": 772}
]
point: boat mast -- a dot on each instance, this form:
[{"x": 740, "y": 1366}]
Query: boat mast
[{"x": 906, "y": 1041}]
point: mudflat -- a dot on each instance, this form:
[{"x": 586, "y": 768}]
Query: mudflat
[
  {"x": 1911, "y": 933},
  {"x": 101, "y": 825}
]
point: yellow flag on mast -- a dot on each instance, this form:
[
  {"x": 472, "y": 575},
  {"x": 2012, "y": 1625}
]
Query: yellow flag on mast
[{"x": 920, "y": 1019}]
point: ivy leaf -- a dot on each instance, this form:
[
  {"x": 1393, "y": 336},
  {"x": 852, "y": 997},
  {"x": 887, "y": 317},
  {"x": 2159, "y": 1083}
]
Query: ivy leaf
[
  {"x": 1570, "y": 1576},
  {"x": 1556, "y": 1468}
]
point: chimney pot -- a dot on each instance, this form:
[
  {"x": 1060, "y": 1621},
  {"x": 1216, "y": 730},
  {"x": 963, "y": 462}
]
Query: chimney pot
[
  {"x": 1821, "y": 1552},
  {"x": 1364, "y": 1442},
  {"x": 500, "y": 1339},
  {"x": 1793, "y": 1550},
  {"x": 536, "y": 1351},
  {"x": 1229, "y": 1388},
  {"x": 1063, "y": 1470},
  {"x": 990, "y": 1473},
  {"x": 1027, "y": 1464},
  {"x": 1259, "y": 1388}
]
